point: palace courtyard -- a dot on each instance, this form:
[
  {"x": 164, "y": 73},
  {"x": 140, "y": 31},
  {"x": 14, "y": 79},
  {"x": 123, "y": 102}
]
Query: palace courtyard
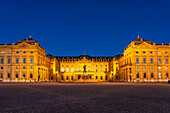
[{"x": 85, "y": 98}]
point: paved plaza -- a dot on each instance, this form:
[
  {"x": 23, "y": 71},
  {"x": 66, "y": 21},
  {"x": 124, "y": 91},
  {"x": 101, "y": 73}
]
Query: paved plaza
[{"x": 85, "y": 98}]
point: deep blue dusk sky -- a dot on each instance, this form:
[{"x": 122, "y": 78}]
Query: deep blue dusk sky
[{"x": 68, "y": 27}]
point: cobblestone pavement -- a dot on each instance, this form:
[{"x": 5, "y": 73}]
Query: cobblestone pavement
[{"x": 85, "y": 98}]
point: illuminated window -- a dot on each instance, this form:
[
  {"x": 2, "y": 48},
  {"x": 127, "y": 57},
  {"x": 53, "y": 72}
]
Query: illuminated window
[
  {"x": 71, "y": 69},
  {"x": 24, "y": 60},
  {"x": 144, "y": 60},
  {"x": 16, "y": 75},
  {"x": 2, "y": 60},
  {"x": 2, "y": 52},
  {"x": 17, "y": 60},
  {"x": 166, "y": 67},
  {"x": 9, "y": 60},
  {"x": 24, "y": 51},
  {"x": 159, "y": 60},
  {"x": 89, "y": 68},
  {"x": 101, "y": 69},
  {"x": 9, "y": 52},
  {"x": 151, "y": 67},
  {"x": 8, "y": 67},
  {"x": 160, "y": 75},
  {"x": 17, "y": 52},
  {"x": 159, "y": 52},
  {"x": 137, "y": 75},
  {"x": 159, "y": 67},
  {"x": 137, "y": 67},
  {"x": 96, "y": 69},
  {"x": 62, "y": 69},
  {"x": 144, "y": 75},
  {"x": 151, "y": 75},
  {"x": 137, "y": 60},
  {"x": 31, "y": 60},
  {"x": 79, "y": 68},
  {"x": 144, "y": 67},
  {"x": 166, "y": 60},
  {"x": 31, "y": 67},
  {"x": 67, "y": 69}
]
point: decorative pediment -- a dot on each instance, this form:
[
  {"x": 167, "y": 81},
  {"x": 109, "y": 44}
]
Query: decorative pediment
[
  {"x": 23, "y": 45},
  {"x": 84, "y": 60},
  {"x": 145, "y": 45}
]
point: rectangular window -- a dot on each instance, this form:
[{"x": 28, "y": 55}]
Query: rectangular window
[
  {"x": 31, "y": 52},
  {"x": 9, "y": 75},
  {"x": 144, "y": 67},
  {"x": 9, "y": 60},
  {"x": 1, "y": 75},
  {"x": 144, "y": 52},
  {"x": 67, "y": 69},
  {"x": 159, "y": 75},
  {"x": 96, "y": 69},
  {"x": 166, "y": 67},
  {"x": 62, "y": 69},
  {"x": 2, "y": 60},
  {"x": 31, "y": 60},
  {"x": 2, "y": 67},
  {"x": 24, "y": 60},
  {"x": 16, "y": 75},
  {"x": 159, "y": 52},
  {"x": 151, "y": 67},
  {"x": 24, "y": 67},
  {"x": 151, "y": 52},
  {"x": 144, "y": 75},
  {"x": 17, "y": 60},
  {"x": 17, "y": 52},
  {"x": 137, "y": 52},
  {"x": 159, "y": 60},
  {"x": 24, "y": 51},
  {"x": 24, "y": 75},
  {"x": 151, "y": 60},
  {"x": 31, "y": 67},
  {"x": 137, "y": 67},
  {"x": 167, "y": 75},
  {"x": 79, "y": 68},
  {"x": 151, "y": 75},
  {"x": 166, "y": 52},
  {"x": 31, "y": 75},
  {"x": 137, "y": 60},
  {"x": 89, "y": 68},
  {"x": 166, "y": 60},
  {"x": 137, "y": 75},
  {"x": 71, "y": 69},
  {"x": 144, "y": 60}
]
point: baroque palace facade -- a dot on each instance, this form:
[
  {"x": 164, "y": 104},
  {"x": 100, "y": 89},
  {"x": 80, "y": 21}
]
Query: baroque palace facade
[{"x": 142, "y": 61}]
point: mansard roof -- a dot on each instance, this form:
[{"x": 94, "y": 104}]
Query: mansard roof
[{"x": 27, "y": 40}]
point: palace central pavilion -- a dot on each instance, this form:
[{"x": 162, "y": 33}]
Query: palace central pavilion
[{"x": 142, "y": 61}]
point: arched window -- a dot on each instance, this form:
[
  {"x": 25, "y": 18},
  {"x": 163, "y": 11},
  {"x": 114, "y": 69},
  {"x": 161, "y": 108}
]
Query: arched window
[
  {"x": 167, "y": 75},
  {"x": 144, "y": 75}
]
